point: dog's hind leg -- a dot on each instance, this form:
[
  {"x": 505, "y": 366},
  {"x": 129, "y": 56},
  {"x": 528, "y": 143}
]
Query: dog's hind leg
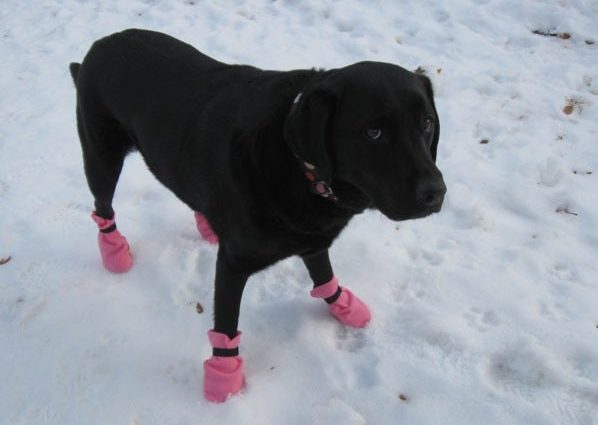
[
  {"x": 223, "y": 372},
  {"x": 342, "y": 303},
  {"x": 105, "y": 145}
]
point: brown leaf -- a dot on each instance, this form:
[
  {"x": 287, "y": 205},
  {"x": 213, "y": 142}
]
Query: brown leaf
[
  {"x": 403, "y": 397},
  {"x": 484, "y": 141},
  {"x": 199, "y": 308},
  {"x": 572, "y": 105},
  {"x": 5, "y": 260}
]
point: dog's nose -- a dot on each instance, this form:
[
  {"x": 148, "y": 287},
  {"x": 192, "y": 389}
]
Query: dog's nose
[{"x": 431, "y": 192}]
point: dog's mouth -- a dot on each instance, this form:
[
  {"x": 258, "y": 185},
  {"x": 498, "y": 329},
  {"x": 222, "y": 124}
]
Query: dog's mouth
[
  {"x": 427, "y": 212},
  {"x": 397, "y": 215},
  {"x": 356, "y": 198},
  {"x": 350, "y": 197}
]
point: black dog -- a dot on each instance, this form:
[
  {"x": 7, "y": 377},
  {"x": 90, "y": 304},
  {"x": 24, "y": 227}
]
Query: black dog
[{"x": 276, "y": 162}]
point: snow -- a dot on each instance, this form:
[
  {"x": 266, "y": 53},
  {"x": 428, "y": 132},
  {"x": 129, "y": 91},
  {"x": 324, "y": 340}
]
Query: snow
[{"x": 484, "y": 313}]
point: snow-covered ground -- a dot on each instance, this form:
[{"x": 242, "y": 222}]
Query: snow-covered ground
[{"x": 486, "y": 313}]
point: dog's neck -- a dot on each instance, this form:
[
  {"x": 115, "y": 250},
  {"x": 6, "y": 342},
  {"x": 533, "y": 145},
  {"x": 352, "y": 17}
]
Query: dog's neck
[
  {"x": 278, "y": 180},
  {"x": 271, "y": 171}
]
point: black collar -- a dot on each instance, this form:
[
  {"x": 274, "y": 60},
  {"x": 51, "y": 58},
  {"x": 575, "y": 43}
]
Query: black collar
[{"x": 316, "y": 184}]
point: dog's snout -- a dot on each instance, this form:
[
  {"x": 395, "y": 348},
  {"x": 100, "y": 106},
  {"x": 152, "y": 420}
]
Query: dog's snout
[{"x": 431, "y": 192}]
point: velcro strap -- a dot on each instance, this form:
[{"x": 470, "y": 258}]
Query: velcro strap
[
  {"x": 333, "y": 298},
  {"x": 225, "y": 352},
  {"x": 109, "y": 229}
]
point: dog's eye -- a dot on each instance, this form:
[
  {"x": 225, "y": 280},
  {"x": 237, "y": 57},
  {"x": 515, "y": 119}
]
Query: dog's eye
[
  {"x": 428, "y": 124},
  {"x": 373, "y": 133}
]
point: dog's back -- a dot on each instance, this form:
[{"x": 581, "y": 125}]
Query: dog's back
[
  {"x": 138, "y": 73},
  {"x": 148, "y": 91}
]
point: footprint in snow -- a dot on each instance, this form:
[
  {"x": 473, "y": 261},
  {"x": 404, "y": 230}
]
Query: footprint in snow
[
  {"x": 184, "y": 372},
  {"x": 553, "y": 311},
  {"x": 563, "y": 272},
  {"x": 538, "y": 377},
  {"x": 79, "y": 376},
  {"x": 481, "y": 320},
  {"x": 351, "y": 340},
  {"x": 433, "y": 258},
  {"x": 550, "y": 173}
]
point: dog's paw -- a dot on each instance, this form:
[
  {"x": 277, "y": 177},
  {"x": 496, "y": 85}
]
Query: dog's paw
[
  {"x": 223, "y": 376},
  {"x": 350, "y": 340},
  {"x": 350, "y": 310},
  {"x": 115, "y": 252}
]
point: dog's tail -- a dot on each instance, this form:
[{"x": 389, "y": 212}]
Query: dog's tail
[{"x": 74, "y": 68}]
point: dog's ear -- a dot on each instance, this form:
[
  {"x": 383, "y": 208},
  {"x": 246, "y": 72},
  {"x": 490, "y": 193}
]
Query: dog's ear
[
  {"x": 430, "y": 94},
  {"x": 307, "y": 129}
]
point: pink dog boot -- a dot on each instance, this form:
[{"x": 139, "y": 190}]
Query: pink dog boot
[
  {"x": 204, "y": 228},
  {"x": 114, "y": 248},
  {"x": 346, "y": 308},
  {"x": 223, "y": 375}
]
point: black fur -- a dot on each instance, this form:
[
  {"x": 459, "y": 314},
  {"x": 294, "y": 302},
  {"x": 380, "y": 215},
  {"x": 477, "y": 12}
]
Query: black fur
[
  {"x": 225, "y": 139},
  {"x": 74, "y": 69}
]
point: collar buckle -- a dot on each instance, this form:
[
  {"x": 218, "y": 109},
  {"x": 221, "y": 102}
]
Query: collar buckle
[{"x": 316, "y": 184}]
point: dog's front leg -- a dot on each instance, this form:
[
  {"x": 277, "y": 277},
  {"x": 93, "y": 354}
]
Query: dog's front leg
[
  {"x": 342, "y": 303},
  {"x": 223, "y": 372}
]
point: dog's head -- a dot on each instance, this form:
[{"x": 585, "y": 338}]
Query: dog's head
[{"x": 372, "y": 126}]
